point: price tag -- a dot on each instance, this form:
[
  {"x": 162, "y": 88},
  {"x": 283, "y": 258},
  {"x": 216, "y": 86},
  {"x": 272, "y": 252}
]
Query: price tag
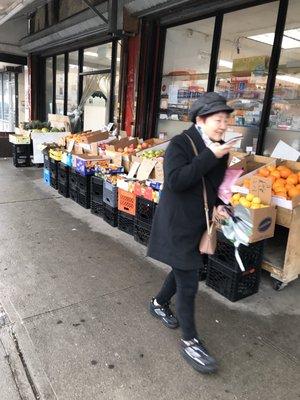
[
  {"x": 145, "y": 169},
  {"x": 262, "y": 188}
]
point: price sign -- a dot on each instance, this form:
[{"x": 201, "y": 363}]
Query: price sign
[{"x": 262, "y": 188}]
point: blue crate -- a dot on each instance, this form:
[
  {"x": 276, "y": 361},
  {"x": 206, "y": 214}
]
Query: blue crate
[{"x": 46, "y": 176}]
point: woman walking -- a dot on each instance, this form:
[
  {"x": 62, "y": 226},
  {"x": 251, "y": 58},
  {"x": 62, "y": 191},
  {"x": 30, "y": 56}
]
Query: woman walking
[{"x": 180, "y": 222}]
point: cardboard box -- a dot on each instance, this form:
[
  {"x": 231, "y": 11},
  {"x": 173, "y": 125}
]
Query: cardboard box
[
  {"x": 86, "y": 165},
  {"x": 93, "y": 137},
  {"x": 251, "y": 164},
  {"x": 19, "y": 139},
  {"x": 281, "y": 202},
  {"x": 117, "y": 144},
  {"x": 262, "y": 219}
]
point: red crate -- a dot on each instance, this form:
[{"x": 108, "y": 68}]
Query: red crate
[{"x": 126, "y": 202}]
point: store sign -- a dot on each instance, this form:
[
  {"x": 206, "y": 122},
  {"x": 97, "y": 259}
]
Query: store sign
[{"x": 257, "y": 65}]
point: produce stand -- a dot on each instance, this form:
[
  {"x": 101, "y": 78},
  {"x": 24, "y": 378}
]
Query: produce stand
[
  {"x": 289, "y": 268},
  {"x": 282, "y": 252}
]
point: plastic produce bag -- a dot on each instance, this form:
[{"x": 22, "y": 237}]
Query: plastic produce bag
[{"x": 231, "y": 175}]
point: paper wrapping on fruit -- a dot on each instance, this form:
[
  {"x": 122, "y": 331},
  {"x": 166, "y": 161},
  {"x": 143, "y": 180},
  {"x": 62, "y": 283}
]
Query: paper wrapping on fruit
[
  {"x": 231, "y": 175},
  {"x": 238, "y": 229}
]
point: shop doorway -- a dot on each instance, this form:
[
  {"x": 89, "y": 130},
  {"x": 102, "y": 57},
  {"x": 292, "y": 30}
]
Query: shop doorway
[{"x": 95, "y": 100}]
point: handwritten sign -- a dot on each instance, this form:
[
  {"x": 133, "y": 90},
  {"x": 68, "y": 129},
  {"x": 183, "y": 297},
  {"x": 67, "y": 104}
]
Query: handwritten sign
[
  {"x": 262, "y": 188},
  {"x": 145, "y": 169}
]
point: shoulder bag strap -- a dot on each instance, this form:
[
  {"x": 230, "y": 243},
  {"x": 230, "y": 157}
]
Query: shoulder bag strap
[{"x": 204, "y": 185}]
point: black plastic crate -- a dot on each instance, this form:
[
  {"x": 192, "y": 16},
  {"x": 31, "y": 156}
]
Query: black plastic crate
[
  {"x": 145, "y": 210},
  {"x": 21, "y": 161},
  {"x": 83, "y": 185},
  {"x": 63, "y": 189},
  {"x": 125, "y": 222},
  {"x": 97, "y": 189},
  {"x": 110, "y": 194},
  {"x": 83, "y": 201},
  {"x": 73, "y": 194},
  {"x": 46, "y": 161},
  {"x": 72, "y": 179},
  {"x": 141, "y": 232},
  {"x": 53, "y": 168},
  {"x": 110, "y": 215},
  {"x": 97, "y": 208},
  {"x": 230, "y": 282},
  {"x": 251, "y": 256},
  {"x": 63, "y": 173},
  {"x": 21, "y": 149},
  {"x": 53, "y": 183}
]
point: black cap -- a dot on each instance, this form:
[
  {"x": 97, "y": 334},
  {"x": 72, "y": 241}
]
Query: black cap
[{"x": 208, "y": 103}]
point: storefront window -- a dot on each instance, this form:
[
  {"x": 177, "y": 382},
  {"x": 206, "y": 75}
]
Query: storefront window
[
  {"x": 95, "y": 101},
  {"x": 284, "y": 123},
  {"x": 97, "y": 58},
  {"x": 49, "y": 86},
  {"x": 185, "y": 73},
  {"x": 242, "y": 73},
  {"x": 72, "y": 82},
  {"x": 60, "y": 83}
]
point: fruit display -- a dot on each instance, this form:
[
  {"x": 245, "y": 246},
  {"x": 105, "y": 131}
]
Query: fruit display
[
  {"x": 149, "y": 154},
  {"x": 285, "y": 181},
  {"x": 248, "y": 201}
]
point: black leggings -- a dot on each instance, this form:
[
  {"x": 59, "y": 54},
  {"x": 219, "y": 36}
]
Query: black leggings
[{"x": 185, "y": 284}]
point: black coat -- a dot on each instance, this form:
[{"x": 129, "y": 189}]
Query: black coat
[{"x": 179, "y": 220}]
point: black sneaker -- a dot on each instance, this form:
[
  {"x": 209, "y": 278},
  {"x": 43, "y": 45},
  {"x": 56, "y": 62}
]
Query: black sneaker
[
  {"x": 164, "y": 313},
  {"x": 197, "y": 356}
]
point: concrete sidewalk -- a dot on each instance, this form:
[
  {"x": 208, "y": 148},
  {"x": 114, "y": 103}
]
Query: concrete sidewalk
[{"x": 76, "y": 292}]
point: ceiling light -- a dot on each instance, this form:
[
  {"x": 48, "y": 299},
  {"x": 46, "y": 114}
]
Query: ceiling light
[
  {"x": 288, "y": 78},
  {"x": 90, "y": 53},
  {"x": 290, "y": 40},
  {"x": 225, "y": 63}
]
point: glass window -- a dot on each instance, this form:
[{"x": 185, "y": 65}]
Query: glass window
[
  {"x": 60, "y": 83},
  {"x": 97, "y": 58},
  {"x": 1, "y": 103},
  {"x": 185, "y": 73},
  {"x": 72, "y": 82},
  {"x": 95, "y": 101},
  {"x": 284, "y": 123},
  {"x": 49, "y": 86},
  {"x": 242, "y": 73}
]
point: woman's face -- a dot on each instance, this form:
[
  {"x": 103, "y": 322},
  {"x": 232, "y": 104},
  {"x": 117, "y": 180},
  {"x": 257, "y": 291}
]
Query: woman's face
[{"x": 214, "y": 125}]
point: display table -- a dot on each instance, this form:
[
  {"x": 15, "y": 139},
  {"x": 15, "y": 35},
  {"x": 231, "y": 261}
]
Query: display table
[{"x": 38, "y": 138}]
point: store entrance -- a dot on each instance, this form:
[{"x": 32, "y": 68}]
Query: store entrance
[{"x": 95, "y": 99}]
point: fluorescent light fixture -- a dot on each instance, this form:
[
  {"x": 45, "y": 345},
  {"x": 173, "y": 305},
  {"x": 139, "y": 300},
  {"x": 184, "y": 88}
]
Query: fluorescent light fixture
[
  {"x": 290, "y": 40},
  {"x": 90, "y": 53},
  {"x": 118, "y": 59},
  {"x": 225, "y": 63},
  {"x": 288, "y": 78}
]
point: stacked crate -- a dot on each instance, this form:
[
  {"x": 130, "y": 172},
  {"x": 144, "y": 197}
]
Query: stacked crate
[
  {"x": 97, "y": 206},
  {"x": 53, "y": 173},
  {"x": 126, "y": 211},
  {"x": 145, "y": 210},
  {"x": 110, "y": 200},
  {"x": 224, "y": 274},
  {"x": 84, "y": 190},
  {"x": 73, "y": 185},
  {"x": 63, "y": 179},
  {"x": 21, "y": 155}
]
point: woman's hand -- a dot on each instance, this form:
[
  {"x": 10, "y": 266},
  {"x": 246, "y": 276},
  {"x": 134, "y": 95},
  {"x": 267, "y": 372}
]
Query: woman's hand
[
  {"x": 220, "y": 214},
  {"x": 220, "y": 150}
]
